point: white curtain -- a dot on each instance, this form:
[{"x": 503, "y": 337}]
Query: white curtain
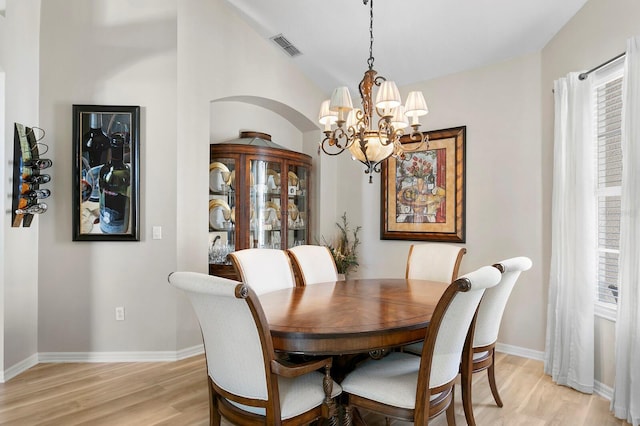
[
  {"x": 626, "y": 391},
  {"x": 569, "y": 351}
]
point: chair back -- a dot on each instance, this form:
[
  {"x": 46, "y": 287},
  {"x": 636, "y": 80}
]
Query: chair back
[
  {"x": 495, "y": 300},
  {"x": 450, "y": 325},
  {"x": 434, "y": 261},
  {"x": 312, "y": 264},
  {"x": 237, "y": 343},
  {"x": 264, "y": 270}
]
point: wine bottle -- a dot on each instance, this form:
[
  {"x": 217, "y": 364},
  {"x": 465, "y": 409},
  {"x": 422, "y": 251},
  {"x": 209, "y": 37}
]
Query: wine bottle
[
  {"x": 115, "y": 182},
  {"x": 26, "y": 202},
  {"x": 26, "y": 187},
  {"x": 33, "y": 209},
  {"x": 35, "y": 194},
  {"x": 95, "y": 143},
  {"x": 35, "y": 179},
  {"x": 40, "y": 163}
]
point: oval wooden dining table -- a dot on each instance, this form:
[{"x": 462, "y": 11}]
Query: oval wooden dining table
[{"x": 352, "y": 316}]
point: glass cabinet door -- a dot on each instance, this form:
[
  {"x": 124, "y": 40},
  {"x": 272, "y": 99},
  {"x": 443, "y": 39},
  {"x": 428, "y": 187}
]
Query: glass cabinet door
[
  {"x": 297, "y": 199},
  {"x": 222, "y": 210},
  {"x": 264, "y": 201},
  {"x": 258, "y": 198}
]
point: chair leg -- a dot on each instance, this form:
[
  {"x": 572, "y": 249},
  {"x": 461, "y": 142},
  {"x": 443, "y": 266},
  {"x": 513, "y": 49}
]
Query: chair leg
[
  {"x": 465, "y": 382},
  {"x": 214, "y": 414},
  {"x": 492, "y": 380},
  {"x": 347, "y": 415},
  {"x": 214, "y": 418},
  {"x": 451, "y": 413}
]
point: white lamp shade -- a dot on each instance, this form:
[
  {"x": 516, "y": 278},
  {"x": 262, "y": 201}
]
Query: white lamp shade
[
  {"x": 399, "y": 119},
  {"x": 416, "y": 105},
  {"x": 327, "y": 116},
  {"x": 341, "y": 100},
  {"x": 388, "y": 95},
  {"x": 376, "y": 152}
]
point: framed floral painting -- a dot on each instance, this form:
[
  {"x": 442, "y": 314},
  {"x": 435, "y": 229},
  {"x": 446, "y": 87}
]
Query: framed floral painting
[{"x": 423, "y": 193}]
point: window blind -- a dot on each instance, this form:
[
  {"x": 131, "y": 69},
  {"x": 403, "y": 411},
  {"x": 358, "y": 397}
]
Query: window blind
[{"x": 609, "y": 177}]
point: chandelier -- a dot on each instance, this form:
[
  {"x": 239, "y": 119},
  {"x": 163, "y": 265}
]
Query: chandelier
[{"x": 349, "y": 128}]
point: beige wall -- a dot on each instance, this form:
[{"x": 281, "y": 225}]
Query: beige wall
[
  {"x": 18, "y": 246},
  {"x": 173, "y": 59},
  {"x": 222, "y": 57},
  {"x": 500, "y": 106},
  {"x": 597, "y": 33},
  {"x": 110, "y": 52}
]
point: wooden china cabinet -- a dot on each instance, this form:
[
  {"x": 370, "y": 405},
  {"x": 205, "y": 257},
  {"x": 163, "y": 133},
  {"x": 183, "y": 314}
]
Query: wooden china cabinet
[{"x": 258, "y": 198}]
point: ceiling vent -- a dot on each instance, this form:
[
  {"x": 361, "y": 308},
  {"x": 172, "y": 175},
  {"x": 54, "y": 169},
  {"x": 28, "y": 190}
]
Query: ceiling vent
[{"x": 286, "y": 45}]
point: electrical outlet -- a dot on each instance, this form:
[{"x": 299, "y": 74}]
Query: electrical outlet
[{"x": 120, "y": 313}]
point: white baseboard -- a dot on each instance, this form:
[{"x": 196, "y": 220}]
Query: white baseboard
[
  {"x": 150, "y": 356},
  {"x": 160, "y": 356},
  {"x": 520, "y": 351},
  {"x": 60, "y": 357},
  {"x": 18, "y": 368},
  {"x": 603, "y": 390},
  {"x": 598, "y": 387}
]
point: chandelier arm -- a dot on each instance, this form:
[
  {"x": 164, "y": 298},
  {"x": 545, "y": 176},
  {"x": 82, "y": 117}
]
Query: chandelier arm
[
  {"x": 331, "y": 153},
  {"x": 379, "y": 79},
  {"x": 381, "y": 113},
  {"x": 339, "y": 134},
  {"x": 333, "y": 139},
  {"x": 420, "y": 138},
  {"x": 387, "y": 132},
  {"x": 362, "y": 121}
]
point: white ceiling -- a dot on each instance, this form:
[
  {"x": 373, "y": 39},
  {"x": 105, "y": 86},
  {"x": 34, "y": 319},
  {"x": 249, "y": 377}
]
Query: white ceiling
[{"x": 414, "y": 40}]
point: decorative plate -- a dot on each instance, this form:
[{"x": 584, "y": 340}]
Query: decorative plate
[
  {"x": 275, "y": 178},
  {"x": 293, "y": 211},
  {"x": 217, "y": 174},
  {"x": 274, "y": 206},
  {"x": 293, "y": 179},
  {"x": 217, "y": 206}
]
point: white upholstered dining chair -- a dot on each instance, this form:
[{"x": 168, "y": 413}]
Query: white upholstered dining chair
[
  {"x": 485, "y": 336},
  {"x": 263, "y": 270},
  {"x": 312, "y": 264},
  {"x": 434, "y": 262},
  {"x": 415, "y": 389},
  {"x": 247, "y": 383}
]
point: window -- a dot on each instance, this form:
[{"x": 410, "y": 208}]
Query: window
[{"x": 608, "y": 135}]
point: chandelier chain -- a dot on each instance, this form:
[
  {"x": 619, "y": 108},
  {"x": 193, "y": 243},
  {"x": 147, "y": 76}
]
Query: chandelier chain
[{"x": 371, "y": 59}]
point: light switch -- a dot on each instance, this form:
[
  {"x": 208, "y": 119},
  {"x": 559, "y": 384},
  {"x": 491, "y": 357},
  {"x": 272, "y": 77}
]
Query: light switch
[{"x": 157, "y": 232}]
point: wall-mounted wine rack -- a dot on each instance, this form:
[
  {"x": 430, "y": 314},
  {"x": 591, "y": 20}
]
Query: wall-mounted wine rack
[{"x": 27, "y": 179}]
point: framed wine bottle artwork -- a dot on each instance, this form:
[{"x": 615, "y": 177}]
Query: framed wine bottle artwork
[{"x": 106, "y": 173}]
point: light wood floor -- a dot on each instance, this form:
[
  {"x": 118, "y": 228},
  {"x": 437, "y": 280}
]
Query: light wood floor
[{"x": 175, "y": 393}]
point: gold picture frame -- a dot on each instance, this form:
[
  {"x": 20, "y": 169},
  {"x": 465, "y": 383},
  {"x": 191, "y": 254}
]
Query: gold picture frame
[{"x": 423, "y": 194}]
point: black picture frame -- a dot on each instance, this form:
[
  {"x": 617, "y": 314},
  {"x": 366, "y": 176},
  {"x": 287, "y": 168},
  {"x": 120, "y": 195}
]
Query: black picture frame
[{"x": 88, "y": 160}]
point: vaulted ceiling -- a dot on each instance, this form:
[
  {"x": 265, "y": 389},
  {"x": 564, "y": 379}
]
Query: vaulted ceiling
[{"x": 414, "y": 40}]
